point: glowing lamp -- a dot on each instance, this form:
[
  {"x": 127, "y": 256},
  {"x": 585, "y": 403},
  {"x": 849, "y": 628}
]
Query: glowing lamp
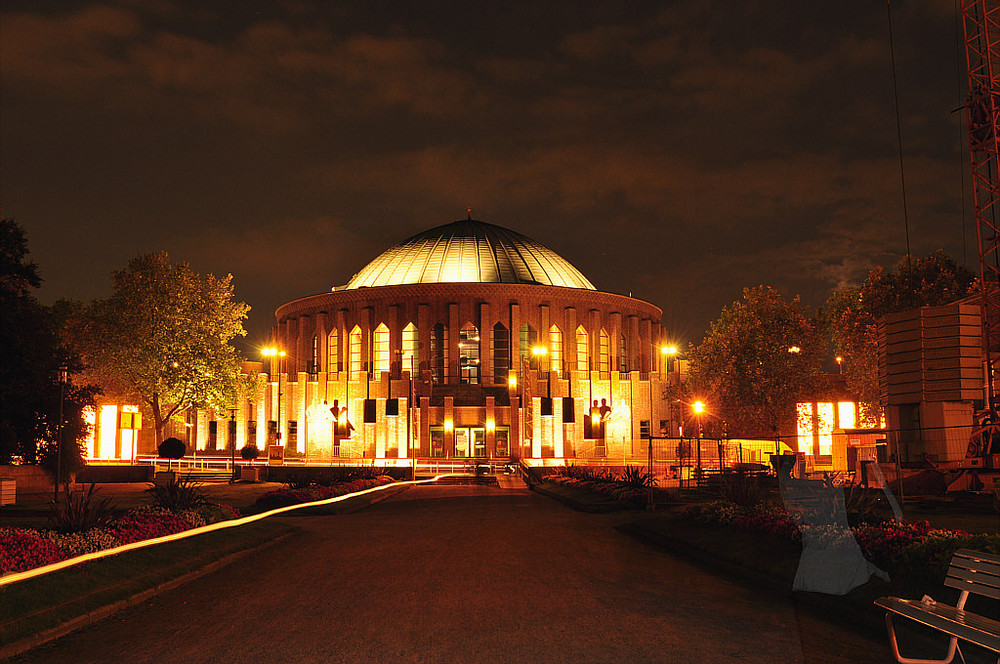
[
  {"x": 539, "y": 350},
  {"x": 794, "y": 350},
  {"x": 448, "y": 425},
  {"x": 669, "y": 350},
  {"x": 512, "y": 380},
  {"x": 595, "y": 419},
  {"x": 490, "y": 425},
  {"x": 698, "y": 407}
]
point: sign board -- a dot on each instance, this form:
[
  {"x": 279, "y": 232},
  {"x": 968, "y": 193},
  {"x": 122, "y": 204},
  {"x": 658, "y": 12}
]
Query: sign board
[{"x": 275, "y": 455}]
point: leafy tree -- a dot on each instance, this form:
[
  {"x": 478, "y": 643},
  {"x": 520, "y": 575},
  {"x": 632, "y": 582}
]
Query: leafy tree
[
  {"x": 853, "y": 313},
  {"x": 162, "y": 338},
  {"x": 759, "y": 356},
  {"x": 171, "y": 448},
  {"x": 31, "y": 354}
]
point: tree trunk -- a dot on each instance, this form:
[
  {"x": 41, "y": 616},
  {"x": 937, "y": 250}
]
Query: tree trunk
[{"x": 158, "y": 422}]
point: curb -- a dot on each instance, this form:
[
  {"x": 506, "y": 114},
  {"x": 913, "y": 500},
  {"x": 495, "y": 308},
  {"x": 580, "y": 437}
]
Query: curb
[{"x": 29, "y": 642}]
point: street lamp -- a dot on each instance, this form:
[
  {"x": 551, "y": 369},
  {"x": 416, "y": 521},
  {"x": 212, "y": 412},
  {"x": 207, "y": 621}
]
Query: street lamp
[
  {"x": 840, "y": 363},
  {"x": 698, "y": 407},
  {"x": 63, "y": 374},
  {"x": 232, "y": 443},
  {"x": 280, "y": 354}
]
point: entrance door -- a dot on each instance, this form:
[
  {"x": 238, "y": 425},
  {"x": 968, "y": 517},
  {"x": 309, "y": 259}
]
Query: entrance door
[
  {"x": 470, "y": 442},
  {"x": 478, "y": 443}
]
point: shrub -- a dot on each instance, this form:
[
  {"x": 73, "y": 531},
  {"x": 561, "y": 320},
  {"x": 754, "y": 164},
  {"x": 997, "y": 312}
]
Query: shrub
[
  {"x": 77, "y": 544},
  {"x": 636, "y": 477},
  {"x": 249, "y": 452},
  {"x": 146, "y": 523},
  {"x": 177, "y": 495},
  {"x": 77, "y": 511},
  {"x": 26, "y": 549},
  {"x": 171, "y": 448},
  {"x": 217, "y": 512},
  {"x": 742, "y": 488}
]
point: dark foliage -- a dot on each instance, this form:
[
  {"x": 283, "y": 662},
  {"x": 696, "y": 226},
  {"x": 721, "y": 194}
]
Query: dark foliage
[
  {"x": 31, "y": 353},
  {"x": 249, "y": 452},
  {"x": 78, "y": 511},
  {"x": 742, "y": 488},
  {"x": 178, "y": 494},
  {"x": 171, "y": 448},
  {"x": 636, "y": 477}
]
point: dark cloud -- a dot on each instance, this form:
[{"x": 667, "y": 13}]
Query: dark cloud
[{"x": 679, "y": 153}]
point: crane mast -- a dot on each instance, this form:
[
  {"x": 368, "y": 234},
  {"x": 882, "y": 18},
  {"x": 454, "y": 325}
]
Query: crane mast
[{"x": 981, "y": 25}]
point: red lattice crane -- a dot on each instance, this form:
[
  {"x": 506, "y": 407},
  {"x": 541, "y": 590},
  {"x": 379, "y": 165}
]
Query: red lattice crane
[{"x": 981, "y": 23}]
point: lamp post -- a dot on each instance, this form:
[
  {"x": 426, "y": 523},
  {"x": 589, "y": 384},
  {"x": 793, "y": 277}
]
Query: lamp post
[
  {"x": 840, "y": 363},
  {"x": 698, "y": 407},
  {"x": 63, "y": 375},
  {"x": 232, "y": 443}
]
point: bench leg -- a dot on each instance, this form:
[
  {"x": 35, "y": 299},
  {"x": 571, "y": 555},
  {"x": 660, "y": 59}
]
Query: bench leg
[{"x": 952, "y": 647}]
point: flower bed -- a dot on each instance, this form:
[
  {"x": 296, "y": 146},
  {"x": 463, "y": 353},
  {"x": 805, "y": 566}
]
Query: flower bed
[
  {"x": 288, "y": 496},
  {"x": 631, "y": 489},
  {"x": 894, "y": 547},
  {"x": 22, "y": 549}
]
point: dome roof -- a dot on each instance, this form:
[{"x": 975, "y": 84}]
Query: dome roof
[{"x": 469, "y": 251}]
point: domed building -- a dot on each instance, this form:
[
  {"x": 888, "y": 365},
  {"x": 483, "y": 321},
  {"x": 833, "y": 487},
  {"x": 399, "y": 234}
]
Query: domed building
[{"x": 466, "y": 341}]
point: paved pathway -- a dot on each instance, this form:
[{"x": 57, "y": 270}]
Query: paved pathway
[{"x": 463, "y": 574}]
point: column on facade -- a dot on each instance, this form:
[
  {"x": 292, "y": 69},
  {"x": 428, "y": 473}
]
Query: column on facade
[{"x": 634, "y": 344}]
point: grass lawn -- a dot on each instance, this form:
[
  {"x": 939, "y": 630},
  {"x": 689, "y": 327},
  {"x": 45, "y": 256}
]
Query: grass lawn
[
  {"x": 42, "y": 603},
  {"x": 30, "y": 608}
]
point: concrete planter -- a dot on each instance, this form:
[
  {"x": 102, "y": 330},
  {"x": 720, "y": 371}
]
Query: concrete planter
[{"x": 251, "y": 474}]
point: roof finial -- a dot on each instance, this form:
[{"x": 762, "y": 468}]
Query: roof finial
[{"x": 468, "y": 210}]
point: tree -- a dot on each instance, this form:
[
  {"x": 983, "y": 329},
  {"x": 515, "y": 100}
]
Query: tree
[
  {"x": 162, "y": 339},
  {"x": 759, "y": 357},
  {"x": 171, "y": 448},
  {"x": 853, "y": 313},
  {"x": 31, "y": 354}
]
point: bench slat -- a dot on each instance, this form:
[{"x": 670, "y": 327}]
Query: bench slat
[
  {"x": 966, "y": 626},
  {"x": 963, "y": 556},
  {"x": 975, "y": 575},
  {"x": 975, "y": 587},
  {"x": 983, "y": 567}
]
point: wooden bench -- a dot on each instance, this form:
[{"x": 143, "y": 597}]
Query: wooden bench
[{"x": 971, "y": 572}]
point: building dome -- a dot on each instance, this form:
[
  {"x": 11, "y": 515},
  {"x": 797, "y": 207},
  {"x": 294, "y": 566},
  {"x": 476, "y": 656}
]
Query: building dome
[{"x": 469, "y": 251}]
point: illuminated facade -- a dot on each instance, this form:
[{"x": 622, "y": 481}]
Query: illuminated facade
[{"x": 466, "y": 341}]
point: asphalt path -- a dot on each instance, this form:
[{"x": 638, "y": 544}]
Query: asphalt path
[{"x": 463, "y": 574}]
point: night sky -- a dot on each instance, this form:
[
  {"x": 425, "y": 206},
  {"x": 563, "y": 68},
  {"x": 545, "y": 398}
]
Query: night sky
[{"x": 676, "y": 151}]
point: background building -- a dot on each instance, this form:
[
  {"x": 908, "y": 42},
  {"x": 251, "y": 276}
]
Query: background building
[{"x": 466, "y": 341}]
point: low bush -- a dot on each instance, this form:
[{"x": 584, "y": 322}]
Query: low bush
[
  {"x": 742, "y": 488},
  {"x": 177, "y": 495},
  {"x": 636, "y": 477},
  {"x": 78, "y": 511},
  {"x": 147, "y": 523},
  {"x": 24, "y": 549}
]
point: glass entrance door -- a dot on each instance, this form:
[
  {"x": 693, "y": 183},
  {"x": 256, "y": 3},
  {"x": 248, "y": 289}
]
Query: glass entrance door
[{"x": 470, "y": 442}]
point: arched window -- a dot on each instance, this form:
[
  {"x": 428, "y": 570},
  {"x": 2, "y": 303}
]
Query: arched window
[
  {"x": 380, "y": 359},
  {"x": 333, "y": 352},
  {"x": 604, "y": 353},
  {"x": 622, "y": 354},
  {"x": 439, "y": 345},
  {"x": 555, "y": 349},
  {"x": 410, "y": 349},
  {"x": 528, "y": 340},
  {"x": 582, "y": 350},
  {"x": 356, "y": 352},
  {"x": 501, "y": 353},
  {"x": 468, "y": 354}
]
